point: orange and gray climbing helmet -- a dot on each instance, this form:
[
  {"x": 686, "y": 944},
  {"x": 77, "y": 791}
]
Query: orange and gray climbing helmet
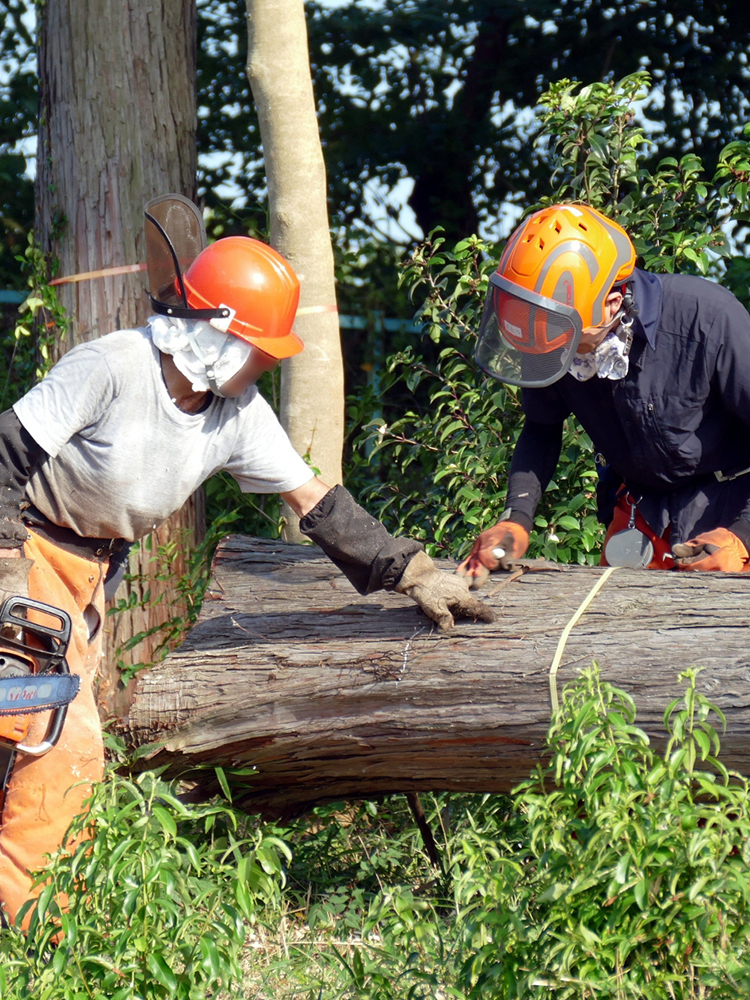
[
  {"x": 239, "y": 285},
  {"x": 551, "y": 283}
]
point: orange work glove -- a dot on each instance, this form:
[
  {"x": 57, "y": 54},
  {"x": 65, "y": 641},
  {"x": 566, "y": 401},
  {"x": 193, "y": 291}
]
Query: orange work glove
[
  {"x": 506, "y": 536},
  {"x": 719, "y": 549}
]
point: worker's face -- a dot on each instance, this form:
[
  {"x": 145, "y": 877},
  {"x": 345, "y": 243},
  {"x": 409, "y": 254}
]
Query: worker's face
[
  {"x": 256, "y": 365},
  {"x": 592, "y": 336}
]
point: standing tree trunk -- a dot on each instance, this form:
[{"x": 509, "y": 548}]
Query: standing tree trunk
[
  {"x": 117, "y": 127},
  {"x": 312, "y": 383}
]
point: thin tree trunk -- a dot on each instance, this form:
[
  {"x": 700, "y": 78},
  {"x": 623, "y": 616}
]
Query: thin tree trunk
[
  {"x": 312, "y": 383},
  {"x": 117, "y": 127},
  {"x": 332, "y": 695}
]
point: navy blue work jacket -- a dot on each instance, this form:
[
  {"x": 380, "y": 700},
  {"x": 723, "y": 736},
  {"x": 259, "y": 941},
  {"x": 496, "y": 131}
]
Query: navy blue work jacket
[{"x": 680, "y": 415}]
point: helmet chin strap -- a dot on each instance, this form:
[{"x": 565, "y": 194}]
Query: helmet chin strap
[{"x": 623, "y": 321}]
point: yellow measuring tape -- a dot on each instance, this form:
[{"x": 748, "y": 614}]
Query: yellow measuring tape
[{"x": 567, "y": 630}]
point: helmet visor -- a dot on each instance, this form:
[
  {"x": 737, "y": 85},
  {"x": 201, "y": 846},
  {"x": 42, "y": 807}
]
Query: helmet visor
[
  {"x": 525, "y": 339},
  {"x": 175, "y": 235}
]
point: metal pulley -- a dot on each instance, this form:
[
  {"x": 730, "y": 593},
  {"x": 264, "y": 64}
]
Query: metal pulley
[{"x": 629, "y": 548}]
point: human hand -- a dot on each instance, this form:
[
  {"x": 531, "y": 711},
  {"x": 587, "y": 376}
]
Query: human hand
[
  {"x": 719, "y": 549},
  {"x": 495, "y": 548},
  {"x": 440, "y": 595}
]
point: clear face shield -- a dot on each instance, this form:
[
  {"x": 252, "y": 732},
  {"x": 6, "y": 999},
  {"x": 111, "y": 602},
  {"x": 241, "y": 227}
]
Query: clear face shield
[
  {"x": 175, "y": 235},
  {"x": 526, "y": 339}
]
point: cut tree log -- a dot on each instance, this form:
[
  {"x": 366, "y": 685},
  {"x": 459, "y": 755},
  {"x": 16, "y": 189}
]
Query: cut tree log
[{"x": 331, "y": 695}]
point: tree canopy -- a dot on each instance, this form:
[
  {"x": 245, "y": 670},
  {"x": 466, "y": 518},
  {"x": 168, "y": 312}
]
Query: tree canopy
[
  {"x": 18, "y": 112},
  {"x": 435, "y": 92},
  {"x": 441, "y": 91}
]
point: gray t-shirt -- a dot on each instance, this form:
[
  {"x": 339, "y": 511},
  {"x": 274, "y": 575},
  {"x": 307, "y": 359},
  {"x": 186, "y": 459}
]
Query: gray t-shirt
[{"x": 123, "y": 457}]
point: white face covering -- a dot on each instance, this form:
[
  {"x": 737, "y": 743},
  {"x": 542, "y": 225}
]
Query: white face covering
[
  {"x": 206, "y": 357},
  {"x": 610, "y": 359}
]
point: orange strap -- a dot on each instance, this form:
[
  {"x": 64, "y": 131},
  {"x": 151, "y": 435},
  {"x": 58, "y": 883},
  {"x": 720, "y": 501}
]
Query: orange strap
[
  {"x": 108, "y": 272},
  {"x": 308, "y": 310},
  {"x": 105, "y": 273}
]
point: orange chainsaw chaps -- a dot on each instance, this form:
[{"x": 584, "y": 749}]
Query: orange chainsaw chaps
[
  {"x": 45, "y": 793},
  {"x": 14, "y": 727}
]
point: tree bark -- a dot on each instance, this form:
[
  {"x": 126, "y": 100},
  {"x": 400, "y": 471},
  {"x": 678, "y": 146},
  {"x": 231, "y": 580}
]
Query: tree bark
[
  {"x": 312, "y": 383},
  {"x": 330, "y": 695},
  {"x": 117, "y": 127}
]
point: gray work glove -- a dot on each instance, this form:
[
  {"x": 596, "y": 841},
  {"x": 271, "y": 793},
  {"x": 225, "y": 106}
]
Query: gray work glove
[{"x": 440, "y": 595}]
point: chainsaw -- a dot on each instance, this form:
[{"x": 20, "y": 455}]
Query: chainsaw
[{"x": 34, "y": 673}]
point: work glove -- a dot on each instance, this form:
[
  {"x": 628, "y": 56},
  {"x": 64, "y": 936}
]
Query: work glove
[
  {"x": 440, "y": 595},
  {"x": 719, "y": 549},
  {"x": 495, "y": 548}
]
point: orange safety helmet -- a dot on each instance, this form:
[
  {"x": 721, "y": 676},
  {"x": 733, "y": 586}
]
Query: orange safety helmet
[
  {"x": 551, "y": 283},
  {"x": 240, "y": 285},
  {"x": 256, "y": 284}
]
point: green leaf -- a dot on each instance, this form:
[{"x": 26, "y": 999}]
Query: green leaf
[
  {"x": 554, "y": 892},
  {"x": 640, "y": 892},
  {"x": 621, "y": 870},
  {"x": 161, "y": 972},
  {"x": 703, "y": 742},
  {"x": 223, "y": 783},
  {"x": 211, "y": 959},
  {"x": 166, "y": 820}
]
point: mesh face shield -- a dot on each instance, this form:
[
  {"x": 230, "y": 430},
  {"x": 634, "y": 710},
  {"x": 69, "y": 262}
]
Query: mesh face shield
[
  {"x": 526, "y": 339},
  {"x": 175, "y": 235}
]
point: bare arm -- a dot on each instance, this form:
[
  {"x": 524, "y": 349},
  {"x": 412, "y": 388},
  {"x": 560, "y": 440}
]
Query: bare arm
[{"x": 304, "y": 498}]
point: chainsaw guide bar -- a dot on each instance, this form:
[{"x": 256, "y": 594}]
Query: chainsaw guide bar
[{"x": 37, "y": 693}]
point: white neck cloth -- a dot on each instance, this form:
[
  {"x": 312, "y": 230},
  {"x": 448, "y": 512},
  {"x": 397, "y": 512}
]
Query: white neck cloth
[
  {"x": 609, "y": 360},
  {"x": 206, "y": 357}
]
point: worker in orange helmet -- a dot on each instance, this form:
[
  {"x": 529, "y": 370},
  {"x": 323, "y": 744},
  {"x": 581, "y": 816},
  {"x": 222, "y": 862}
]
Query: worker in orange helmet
[
  {"x": 656, "y": 368},
  {"x": 114, "y": 440}
]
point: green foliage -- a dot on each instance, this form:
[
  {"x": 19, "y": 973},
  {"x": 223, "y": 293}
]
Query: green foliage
[
  {"x": 619, "y": 870},
  {"x": 18, "y": 120},
  {"x": 160, "y": 894},
  {"x": 440, "y": 92},
  {"x": 245, "y": 513},
  {"x": 676, "y": 213},
  {"x": 26, "y": 347},
  {"x": 633, "y": 876}
]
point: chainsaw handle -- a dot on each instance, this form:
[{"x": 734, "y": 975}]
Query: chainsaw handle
[
  {"x": 9, "y": 612},
  {"x": 53, "y": 735},
  {"x": 61, "y": 634}
]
